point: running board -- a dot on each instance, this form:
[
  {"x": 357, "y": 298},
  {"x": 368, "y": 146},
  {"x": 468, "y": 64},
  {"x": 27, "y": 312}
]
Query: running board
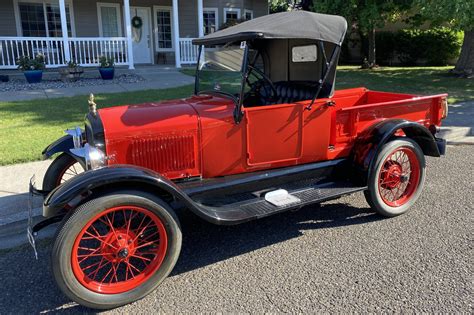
[{"x": 242, "y": 207}]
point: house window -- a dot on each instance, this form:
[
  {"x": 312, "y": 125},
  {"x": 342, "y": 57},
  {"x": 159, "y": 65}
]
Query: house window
[
  {"x": 248, "y": 14},
  {"x": 41, "y": 19},
  {"x": 109, "y": 19},
  {"x": 164, "y": 28},
  {"x": 231, "y": 15},
  {"x": 210, "y": 20}
]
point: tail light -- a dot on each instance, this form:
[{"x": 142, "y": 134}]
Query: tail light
[{"x": 444, "y": 107}]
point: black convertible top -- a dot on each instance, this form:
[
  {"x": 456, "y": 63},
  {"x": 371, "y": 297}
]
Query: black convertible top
[{"x": 285, "y": 25}]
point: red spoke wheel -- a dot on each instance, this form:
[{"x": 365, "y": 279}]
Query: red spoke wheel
[
  {"x": 63, "y": 168},
  {"x": 116, "y": 249},
  {"x": 119, "y": 249},
  {"x": 397, "y": 177}
]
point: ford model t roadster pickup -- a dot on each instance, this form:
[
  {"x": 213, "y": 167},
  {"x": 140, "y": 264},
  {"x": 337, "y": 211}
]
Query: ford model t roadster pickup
[{"x": 264, "y": 132}]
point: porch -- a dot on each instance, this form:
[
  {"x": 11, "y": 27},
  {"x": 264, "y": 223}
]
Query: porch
[{"x": 153, "y": 43}]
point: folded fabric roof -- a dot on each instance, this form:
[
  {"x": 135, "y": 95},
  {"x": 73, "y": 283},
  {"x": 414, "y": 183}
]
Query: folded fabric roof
[{"x": 284, "y": 25}]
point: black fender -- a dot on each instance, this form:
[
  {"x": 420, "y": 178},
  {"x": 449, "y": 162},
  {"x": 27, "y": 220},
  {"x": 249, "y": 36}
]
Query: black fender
[
  {"x": 371, "y": 140},
  {"x": 76, "y": 190},
  {"x": 62, "y": 145}
]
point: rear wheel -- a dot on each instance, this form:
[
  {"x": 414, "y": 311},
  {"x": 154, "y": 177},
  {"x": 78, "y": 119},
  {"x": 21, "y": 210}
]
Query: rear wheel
[
  {"x": 116, "y": 249},
  {"x": 397, "y": 177},
  {"x": 63, "y": 168}
]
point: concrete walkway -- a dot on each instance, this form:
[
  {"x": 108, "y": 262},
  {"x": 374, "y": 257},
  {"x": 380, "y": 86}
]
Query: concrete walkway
[{"x": 156, "y": 77}]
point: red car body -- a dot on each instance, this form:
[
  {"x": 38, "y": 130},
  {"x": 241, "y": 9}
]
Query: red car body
[{"x": 197, "y": 136}]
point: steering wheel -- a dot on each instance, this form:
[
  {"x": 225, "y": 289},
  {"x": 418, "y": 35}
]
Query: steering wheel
[{"x": 263, "y": 82}]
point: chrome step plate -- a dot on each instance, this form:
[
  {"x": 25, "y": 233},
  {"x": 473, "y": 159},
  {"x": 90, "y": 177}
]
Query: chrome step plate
[{"x": 281, "y": 198}]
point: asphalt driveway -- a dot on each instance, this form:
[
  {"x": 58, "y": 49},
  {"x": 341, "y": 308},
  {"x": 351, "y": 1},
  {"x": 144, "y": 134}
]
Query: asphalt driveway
[{"x": 340, "y": 257}]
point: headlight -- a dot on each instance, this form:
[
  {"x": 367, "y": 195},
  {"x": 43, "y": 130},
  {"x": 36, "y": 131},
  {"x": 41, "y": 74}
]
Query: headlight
[{"x": 93, "y": 157}]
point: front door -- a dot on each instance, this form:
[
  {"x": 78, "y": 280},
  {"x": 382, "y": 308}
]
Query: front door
[
  {"x": 141, "y": 34},
  {"x": 274, "y": 133}
]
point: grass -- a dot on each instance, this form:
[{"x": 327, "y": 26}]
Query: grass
[{"x": 27, "y": 127}]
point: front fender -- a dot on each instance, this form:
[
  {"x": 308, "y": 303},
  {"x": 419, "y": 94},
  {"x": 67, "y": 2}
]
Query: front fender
[
  {"x": 371, "y": 140},
  {"x": 80, "y": 187},
  {"x": 63, "y": 144}
]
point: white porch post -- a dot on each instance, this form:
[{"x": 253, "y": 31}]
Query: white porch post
[
  {"x": 62, "y": 12},
  {"x": 200, "y": 18},
  {"x": 128, "y": 30},
  {"x": 177, "y": 51}
]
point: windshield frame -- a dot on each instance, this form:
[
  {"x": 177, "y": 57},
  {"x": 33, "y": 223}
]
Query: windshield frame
[{"x": 243, "y": 73}]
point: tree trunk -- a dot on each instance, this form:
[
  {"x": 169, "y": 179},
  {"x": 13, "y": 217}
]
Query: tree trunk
[
  {"x": 465, "y": 64},
  {"x": 371, "y": 60}
]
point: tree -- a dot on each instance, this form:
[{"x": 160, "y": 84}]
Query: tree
[
  {"x": 366, "y": 15},
  {"x": 458, "y": 14}
]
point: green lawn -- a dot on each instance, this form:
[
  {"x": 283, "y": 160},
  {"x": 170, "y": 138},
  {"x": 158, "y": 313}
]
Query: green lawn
[{"x": 27, "y": 127}]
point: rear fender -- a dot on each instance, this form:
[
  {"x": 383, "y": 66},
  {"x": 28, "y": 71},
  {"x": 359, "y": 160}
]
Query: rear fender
[
  {"x": 371, "y": 140},
  {"x": 81, "y": 187}
]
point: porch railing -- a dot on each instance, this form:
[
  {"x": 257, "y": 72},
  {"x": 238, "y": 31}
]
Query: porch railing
[
  {"x": 84, "y": 50},
  {"x": 189, "y": 52}
]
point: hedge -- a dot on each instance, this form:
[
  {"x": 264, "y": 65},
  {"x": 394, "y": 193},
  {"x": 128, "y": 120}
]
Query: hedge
[{"x": 433, "y": 47}]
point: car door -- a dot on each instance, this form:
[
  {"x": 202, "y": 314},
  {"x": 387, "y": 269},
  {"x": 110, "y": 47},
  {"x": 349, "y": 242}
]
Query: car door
[{"x": 274, "y": 134}]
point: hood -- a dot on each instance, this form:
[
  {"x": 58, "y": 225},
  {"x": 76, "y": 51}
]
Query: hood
[{"x": 162, "y": 136}]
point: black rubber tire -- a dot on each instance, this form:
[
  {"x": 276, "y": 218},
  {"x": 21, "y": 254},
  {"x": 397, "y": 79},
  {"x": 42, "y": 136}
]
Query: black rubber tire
[
  {"x": 56, "y": 170},
  {"x": 372, "y": 194},
  {"x": 77, "y": 219}
]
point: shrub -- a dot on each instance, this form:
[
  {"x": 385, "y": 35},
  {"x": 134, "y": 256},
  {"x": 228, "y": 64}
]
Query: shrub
[
  {"x": 26, "y": 63},
  {"x": 106, "y": 62},
  {"x": 434, "y": 47}
]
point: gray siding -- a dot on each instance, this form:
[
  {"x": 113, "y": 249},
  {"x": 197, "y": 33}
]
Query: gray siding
[{"x": 86, "y": 23}]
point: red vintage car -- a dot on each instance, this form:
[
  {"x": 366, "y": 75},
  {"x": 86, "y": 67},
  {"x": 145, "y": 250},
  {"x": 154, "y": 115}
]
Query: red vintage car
[{"x": 264, "y": 132}]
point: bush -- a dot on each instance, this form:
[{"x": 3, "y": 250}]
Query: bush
[
  {"x": 26, "y": 63},
  {"x": 434, "y": 47}
]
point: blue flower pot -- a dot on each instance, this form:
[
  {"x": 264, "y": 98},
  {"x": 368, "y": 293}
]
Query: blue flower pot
[
  {"x": 107, "y": 73},
  {"x": 34, "y": 76}
]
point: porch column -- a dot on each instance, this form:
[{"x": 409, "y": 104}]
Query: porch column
[
  {"x": 62, "y": 13},
  {"x": 177, "y": 51},
  {"x": 200, "y": 18},
  {"x": 128, "y": 30}
]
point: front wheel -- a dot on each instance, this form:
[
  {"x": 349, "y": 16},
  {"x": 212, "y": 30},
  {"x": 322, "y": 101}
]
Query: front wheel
[
  {"x": 115, "y": 249},
  {"x": 396, "y": 178}
]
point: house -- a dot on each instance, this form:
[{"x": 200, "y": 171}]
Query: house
[{"x": 131, "y": 31}]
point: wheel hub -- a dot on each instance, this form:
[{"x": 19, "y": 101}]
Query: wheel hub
[
  {"x": 393, "y": 176},
  {"x": 119, "y": 245}
]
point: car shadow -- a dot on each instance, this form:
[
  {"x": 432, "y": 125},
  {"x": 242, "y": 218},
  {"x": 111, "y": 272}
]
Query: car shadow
[{"x": 29, "y": 284}]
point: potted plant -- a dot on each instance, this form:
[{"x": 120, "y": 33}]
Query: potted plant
[
  {"x": 71, "y": 73},
  {"x": 32, "y": 67},
  {"x": 106, "y": 67}
]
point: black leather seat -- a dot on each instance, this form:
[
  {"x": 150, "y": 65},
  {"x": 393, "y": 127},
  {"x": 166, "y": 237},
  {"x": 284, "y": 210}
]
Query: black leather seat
[{"x": 293, "y": 91}]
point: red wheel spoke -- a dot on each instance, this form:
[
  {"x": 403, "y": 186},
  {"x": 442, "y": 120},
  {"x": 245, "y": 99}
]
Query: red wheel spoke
[
  {"x": 108, "y": 273},
  {"x": 87, "y": 256},
  {"x": 144, "y": 245},
  {"x": 103, "y": 241},
  {"x": 140, "y": 257},
  {"x": 141, "y": 232},
  {"x": 91, "y": 266}
]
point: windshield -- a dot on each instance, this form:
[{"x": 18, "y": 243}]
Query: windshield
[{"x": 220, "y": 70}]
